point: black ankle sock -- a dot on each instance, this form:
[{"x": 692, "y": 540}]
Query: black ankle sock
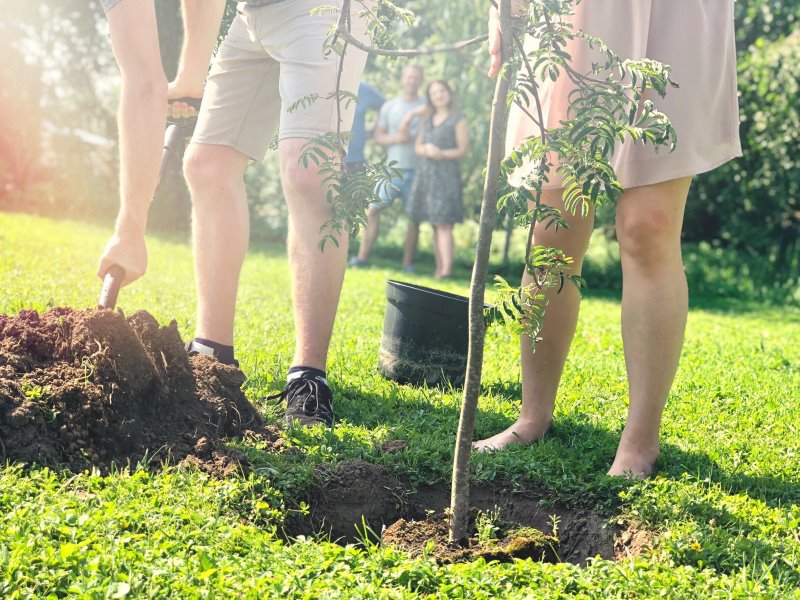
[
  {"x": 311, "y": 370},
  {"x": 222, "y": 352}
]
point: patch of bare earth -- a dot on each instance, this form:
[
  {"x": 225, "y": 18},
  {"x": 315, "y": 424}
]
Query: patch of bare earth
[
  {"x": 92, "y": 388},
  {"x": 524, "y": 524}
]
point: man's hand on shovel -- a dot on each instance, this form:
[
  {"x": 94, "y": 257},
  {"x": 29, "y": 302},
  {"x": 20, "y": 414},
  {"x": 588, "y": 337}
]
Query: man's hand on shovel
[
  {"x": 126, "y": 250},
  {"x": 181, "y": 121},
  {"x": 124, "y": 259}
]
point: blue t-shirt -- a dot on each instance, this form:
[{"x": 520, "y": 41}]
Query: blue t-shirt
[
  {"x": 391, "y": 115},
  {"x": 368, "y": 99}
]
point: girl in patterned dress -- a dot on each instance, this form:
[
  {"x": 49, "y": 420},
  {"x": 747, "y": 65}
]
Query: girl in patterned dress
[{"x": 436, "y": 196}]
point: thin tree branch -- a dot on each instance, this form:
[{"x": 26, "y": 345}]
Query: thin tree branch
[
  {"x": 527, "y": 113},
  {"x": 342, "y": 31},
  {"x": 339, "y": 89}
]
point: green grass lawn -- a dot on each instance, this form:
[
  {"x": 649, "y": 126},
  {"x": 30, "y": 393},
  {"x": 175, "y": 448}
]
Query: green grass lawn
[{"x": 725, "y": 503}]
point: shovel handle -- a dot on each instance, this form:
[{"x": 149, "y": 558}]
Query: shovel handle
[
  {"x": 175, "y": 136},
  {"x": 111, "y": 284},
  {"x": 173, "y": 148}
]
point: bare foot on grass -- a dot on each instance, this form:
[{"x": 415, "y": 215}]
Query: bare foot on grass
[
  {"x": 634, "y": 460},
  {"x": 520, "y": 433}
]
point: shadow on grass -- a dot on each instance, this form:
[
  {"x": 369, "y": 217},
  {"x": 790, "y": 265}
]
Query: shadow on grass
[
  {"x": 574, "y": 455},
  {"x": 737, "y": 306}
]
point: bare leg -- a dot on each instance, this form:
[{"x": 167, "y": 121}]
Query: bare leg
[
  {"x": 316, "y": 276},
  {"x": 134, "y": 37},
  {"x": 654, "y": 309},
  {"x": 370, "y": 234},
  {"x": 410, "y": 248},
  {"x": 444, "y": 243},
  {"x": 541, "y": 371},
  {"x": 220, "y": 233}
]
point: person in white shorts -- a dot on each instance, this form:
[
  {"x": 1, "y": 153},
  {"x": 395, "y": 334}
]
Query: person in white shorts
[
  {"x": 272, "y": 58},
  {"x": 697, "y": 41},
  {"x": 143, "y": 101}
]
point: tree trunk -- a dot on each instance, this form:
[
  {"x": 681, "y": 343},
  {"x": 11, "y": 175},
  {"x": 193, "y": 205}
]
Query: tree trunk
[
  {"x": 459, "y": 498},
  {"x": 20, "y": 120}
]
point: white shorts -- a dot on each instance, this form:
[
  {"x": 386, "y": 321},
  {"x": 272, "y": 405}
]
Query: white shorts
[
  {"x": 271, "y": 59},
  {"x": 694, "y": 37}
]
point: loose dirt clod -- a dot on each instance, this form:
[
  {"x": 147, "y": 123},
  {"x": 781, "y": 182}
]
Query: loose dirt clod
[
  {"x": 81, "y": 389},
  {"x": 431, "y": 535},
  {"x": 393, "y": 446}
]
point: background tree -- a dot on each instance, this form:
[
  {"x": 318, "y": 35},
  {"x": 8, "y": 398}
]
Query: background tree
[
  {"x": 63, "y": 70},
  {"x": 20, "y": 88}
]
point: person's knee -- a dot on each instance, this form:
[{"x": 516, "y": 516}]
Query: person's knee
[
  {"x": 570, "y": 240},
  {"x": 208, "y": 167},
  {"x": 298, "y": 168},
  {"x": 302, "y": 185},
  {"x": 647, "y": 235},
  {"x": 199, "y": 167},
  {"x": 374, "y": 215},
  {"x": 145, "y": 87}
]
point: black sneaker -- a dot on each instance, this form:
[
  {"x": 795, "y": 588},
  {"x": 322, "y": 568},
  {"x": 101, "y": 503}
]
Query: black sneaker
[
  {"x": 194, "y": 348},
  {"x": 308, "y": 400}
]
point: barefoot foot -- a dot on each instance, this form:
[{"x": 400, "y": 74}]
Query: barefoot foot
[
  {"x": 634, "y": 461},
  {"x": 518, "y": 434}
]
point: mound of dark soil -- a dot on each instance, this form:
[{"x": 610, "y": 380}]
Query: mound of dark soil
[{"x": 81, "y": 389}]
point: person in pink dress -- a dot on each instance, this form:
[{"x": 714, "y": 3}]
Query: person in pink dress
[{"x": 697, "y": 41}]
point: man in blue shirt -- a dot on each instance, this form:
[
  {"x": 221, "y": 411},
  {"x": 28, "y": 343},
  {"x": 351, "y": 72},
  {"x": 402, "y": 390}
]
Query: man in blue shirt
[{"x": 398, "y": 140}]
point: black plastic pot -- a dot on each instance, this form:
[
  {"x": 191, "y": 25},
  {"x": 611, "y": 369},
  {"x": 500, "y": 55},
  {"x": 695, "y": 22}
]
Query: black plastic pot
[{"x": 425, "y": 335}]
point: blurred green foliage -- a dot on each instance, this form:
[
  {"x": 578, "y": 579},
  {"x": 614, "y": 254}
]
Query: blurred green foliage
[{"x": 66, "y": 42}]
